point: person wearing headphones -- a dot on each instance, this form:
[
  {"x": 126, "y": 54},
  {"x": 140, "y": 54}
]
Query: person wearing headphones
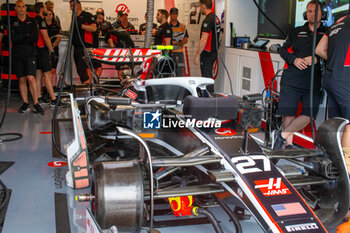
[
  {"x": 82, "y": 38},
  {"x": 207, "y": 51},
  {"x": 295, "y": 83}
]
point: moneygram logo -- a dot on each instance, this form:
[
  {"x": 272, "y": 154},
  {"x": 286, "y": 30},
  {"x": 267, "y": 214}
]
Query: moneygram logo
[
  {"x": 272, "y": 187},
  {"x": 225, "y": 132}
]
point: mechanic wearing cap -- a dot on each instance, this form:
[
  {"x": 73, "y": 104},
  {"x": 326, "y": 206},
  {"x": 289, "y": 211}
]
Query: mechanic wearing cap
[
  {"x": 207, "y": 51},
  {"x": 164, "y": 32},
  {"x": 44, "y": 46},
  {"x": 24, "y": 34},
  {"x": 335, "y": 48},
  {"x": 82, "y": 38},
  {"x": 123, "y": 22},
  {"x": 179, "y": 38},
  {"x": 142, "y": 28},
  {"x": 295, "y": 83}
]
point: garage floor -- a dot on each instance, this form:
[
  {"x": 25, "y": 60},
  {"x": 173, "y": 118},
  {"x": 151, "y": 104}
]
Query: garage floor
[{"x": 40, "y": 200}]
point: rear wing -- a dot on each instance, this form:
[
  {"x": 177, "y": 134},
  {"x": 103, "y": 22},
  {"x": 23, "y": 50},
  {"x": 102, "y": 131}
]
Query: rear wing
[{"x": 122, "y": 56}]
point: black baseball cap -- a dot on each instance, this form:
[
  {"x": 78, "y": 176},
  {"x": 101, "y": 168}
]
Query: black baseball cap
[{"x": 174, "y": 10}]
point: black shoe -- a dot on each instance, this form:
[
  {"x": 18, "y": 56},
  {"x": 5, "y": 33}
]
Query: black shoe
[
  {"x": 289, "y": 146},
  {"x": 38, "y": 109},
  {"x": 46, "y": 99},
  {"x": 40, "y": 100},
  {"x": 278, "y": 140},
  {"x": 53, "y": 103},
  {"x": 24, "y": 108}
]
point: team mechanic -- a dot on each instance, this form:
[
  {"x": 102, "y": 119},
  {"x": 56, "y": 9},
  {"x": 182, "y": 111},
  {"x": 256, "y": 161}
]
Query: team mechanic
[
  {"x": 25, "y": 34},
  {"x": 44, "y": 45},
  {"x": 164, "y": 32},
  {"x": 295, "y": 83},
  {"x": 335, "y": 48},
  {"x": 180, "y": 38},
  {"x": 143, "y": 26},
  {"x": 209, "y": 38},
  {"x": 87, "y": 26},
  {"x": 2, "y": 32}
]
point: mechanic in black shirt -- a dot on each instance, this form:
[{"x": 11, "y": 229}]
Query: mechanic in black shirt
[
  {"x": 103, "y": 26},
  {"x": 335, "y": 48},
  {"x": 24, "y": 34},
  {"x": 82, "y": 37},
  {"x": 44, "y": 46},
  {"x": 123, "y": 22},
  {"x": 2, "y": 32},
  {"x": 142, "y": 28},
  {"x": 295, "y": 83},
  {"x": 207, "y": 51},
  {"x": 164, "y": 32},
  {"x": 53, "y": 29}
]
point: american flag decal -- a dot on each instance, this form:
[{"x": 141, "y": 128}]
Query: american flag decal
[{"x": 288, "y": 209}]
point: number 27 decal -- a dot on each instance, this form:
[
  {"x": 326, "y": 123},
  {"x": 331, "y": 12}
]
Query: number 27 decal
[{"x": 247, "y": 164}]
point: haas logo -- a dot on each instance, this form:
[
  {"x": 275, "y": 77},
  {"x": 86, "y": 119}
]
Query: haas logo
[
  {"x": 123, "y": 8},
  {"x": 272, "y": 187}
]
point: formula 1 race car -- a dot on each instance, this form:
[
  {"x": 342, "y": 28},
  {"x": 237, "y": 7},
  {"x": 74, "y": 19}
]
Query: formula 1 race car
[{"x": 191, "y": 153}]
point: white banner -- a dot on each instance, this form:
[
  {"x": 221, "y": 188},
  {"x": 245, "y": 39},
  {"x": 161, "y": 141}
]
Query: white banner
[{"x": 136, "y": 10}]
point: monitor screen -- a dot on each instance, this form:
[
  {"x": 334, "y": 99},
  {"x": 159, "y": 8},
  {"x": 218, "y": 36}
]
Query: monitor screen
[{"x": 281, "y": 12}]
